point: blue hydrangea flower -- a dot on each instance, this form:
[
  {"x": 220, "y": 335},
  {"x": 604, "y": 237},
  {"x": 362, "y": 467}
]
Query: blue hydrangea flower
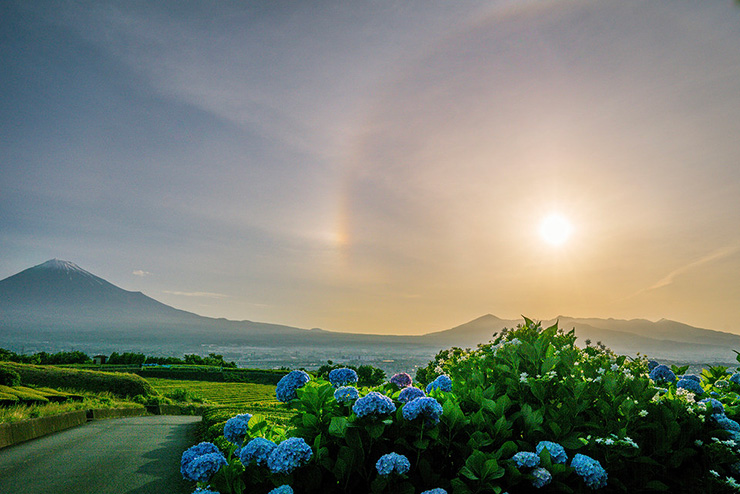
[
  {"x": 541, "y": 477},
  {"x": 725, "y": 422},
  {"x": 289, "y": 455},
  {"x": 690, "y": 385},
  {"x": 557, "y": 452},
  {"x": 200, "y": 490},
  {"x": 283, "y": 489},
  {"x": 203, "y": 467},
  {"x": 342, "y": 377},
  {"x": 590, "y": 470},
  {"x": 373, "y": 404},
  {"x": 662, "y": 373},
  {"x": 735, "y": 378},
  {"x": 443, "y": 383},
  {"x": 236, "y": 428},
  {"x": 402, "y": 380},
  {"x": 692, "y": 377},
  {"x": 409, "y": 394},
  {"x": 257, "y": 450},
  {"x": 286, "y": 387},
  {"x": 393, "y": 462},
  {"x": 526, "y": 459},
  {"x": 652, "y": 364},
  {"x": 425, "y": 407},
  {"x": 346, "y": 394},
  {"x": 195, "y": 451},
  {"x": 714, "y": 406},
  {"x": 438, "y": 490}
]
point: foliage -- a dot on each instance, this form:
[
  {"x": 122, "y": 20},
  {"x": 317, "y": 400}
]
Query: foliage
[
  {"x": 529, "y": 409},
  {"x": 120, "y": 384},
  {"x": 83, "y": 401},
  {"x": 9, "y": 377},
  {"x": 43, "y": 358},
  {"x": 214, "y": 374}
]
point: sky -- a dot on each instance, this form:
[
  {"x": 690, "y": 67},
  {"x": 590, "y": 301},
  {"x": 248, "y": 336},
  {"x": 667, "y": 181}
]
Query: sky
[{"x": 379, "y": 166}]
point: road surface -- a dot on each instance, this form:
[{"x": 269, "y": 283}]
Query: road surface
[{"x": 137, "y": 455}]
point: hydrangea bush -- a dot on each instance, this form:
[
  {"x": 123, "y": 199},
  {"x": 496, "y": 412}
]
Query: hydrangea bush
[{"x": 528, "y": 411}]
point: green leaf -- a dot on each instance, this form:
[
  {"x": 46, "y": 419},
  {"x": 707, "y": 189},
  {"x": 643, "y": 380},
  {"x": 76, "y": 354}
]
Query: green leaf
[
  {"x": 375, "y": 429},
  {"x": 310, "y": 420},
  {"x": 656, "y": 485},
  {"x": 338, "y": 426}
]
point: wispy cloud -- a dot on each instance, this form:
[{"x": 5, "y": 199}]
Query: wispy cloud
[
  {"x": 141, "y": 272},
  {"x": 197, "y": 294},
  {"x": 671, "y": 277}
]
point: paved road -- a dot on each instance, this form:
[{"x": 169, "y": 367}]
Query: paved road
[{"x": 138, "y": 455}]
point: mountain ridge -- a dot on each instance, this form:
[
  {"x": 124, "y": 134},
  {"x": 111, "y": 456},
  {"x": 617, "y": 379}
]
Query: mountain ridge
[{"x": 60, "y": 301}]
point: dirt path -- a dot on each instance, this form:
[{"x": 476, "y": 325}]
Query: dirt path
[{"x": 138, "y": 455}]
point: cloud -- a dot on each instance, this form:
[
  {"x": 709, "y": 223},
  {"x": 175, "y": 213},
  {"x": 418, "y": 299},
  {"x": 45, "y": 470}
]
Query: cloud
[
  {"x": 197, "y": 294},
  {"x": 141, "y": 272},
  {"x": 671, "y": 277}
]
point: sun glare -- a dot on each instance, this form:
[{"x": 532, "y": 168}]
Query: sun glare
[{"x": 555, "y": 229}]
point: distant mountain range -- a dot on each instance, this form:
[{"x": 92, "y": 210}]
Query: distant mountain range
[{"x": 59, "y": 305}]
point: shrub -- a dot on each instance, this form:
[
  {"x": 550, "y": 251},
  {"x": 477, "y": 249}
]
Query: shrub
[
  {"x": 120, "y": 384},
  {"x": 527, "y": 410},
  {"x": 9, "y": 377}
]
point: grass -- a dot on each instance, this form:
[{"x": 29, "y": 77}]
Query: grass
[
  {"x": 230, "y": 394},
  {"x": 15, "y": 413},
  {"x": 227, "y": 399}
]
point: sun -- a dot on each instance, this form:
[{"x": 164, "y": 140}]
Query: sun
[{"x": 555, "y": 229}]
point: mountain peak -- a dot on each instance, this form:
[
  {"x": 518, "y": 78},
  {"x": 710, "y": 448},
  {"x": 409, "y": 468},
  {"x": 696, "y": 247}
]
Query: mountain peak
[{"x": 60, "y": 265}]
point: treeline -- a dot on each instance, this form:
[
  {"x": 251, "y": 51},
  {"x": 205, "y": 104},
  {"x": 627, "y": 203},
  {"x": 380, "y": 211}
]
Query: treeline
[{"x": 115, "y": 358}]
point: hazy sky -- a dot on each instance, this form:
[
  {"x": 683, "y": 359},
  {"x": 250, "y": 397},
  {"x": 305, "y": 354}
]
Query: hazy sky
[{"x": 379, "y": 166}]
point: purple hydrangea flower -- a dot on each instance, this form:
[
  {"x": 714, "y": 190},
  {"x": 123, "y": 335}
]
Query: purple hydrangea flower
[
  {"x": 425, "y": 407},
  {"x": 590, "y": 470},
  {"x": 526, "y": 459},
  {"x": 438, "y": 490},
  {"x": 443, "y": 383},
  {"x": 557, "y": 452},
  {"x": 373, "y": 404},
  {"x": 346, "y": 394},
  {"x": 652, "y": 364},
  {"x": 409, "y": 394},
  {"x": 257, "y": 450},
  {"x": 662, "y": 373},
  {"x": 541, "y": 477},
  {"x": 735, "y": 378},
  {"x": 289, "y": 455},
  {"x": 285, "y": 390},
  {"x": 393, "y": 462},
  {"x": 342, "y": 377},
  {"x": 402, "y": 380},
  {"x": 236, "y": 428}
]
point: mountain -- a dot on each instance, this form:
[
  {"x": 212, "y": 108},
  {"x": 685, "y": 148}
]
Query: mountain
[
  {"x": 58, "y": 305},
  {"x": 58, "y": 301}
]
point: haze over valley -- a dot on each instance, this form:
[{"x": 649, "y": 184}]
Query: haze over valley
[{"x": 58, "y": 306}]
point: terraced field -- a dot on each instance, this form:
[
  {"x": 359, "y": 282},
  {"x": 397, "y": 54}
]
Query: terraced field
[{"x": 232, "y": 394}]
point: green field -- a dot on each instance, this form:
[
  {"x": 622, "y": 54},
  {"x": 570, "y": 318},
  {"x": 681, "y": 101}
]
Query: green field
[{"x": 232, "y": 394}]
